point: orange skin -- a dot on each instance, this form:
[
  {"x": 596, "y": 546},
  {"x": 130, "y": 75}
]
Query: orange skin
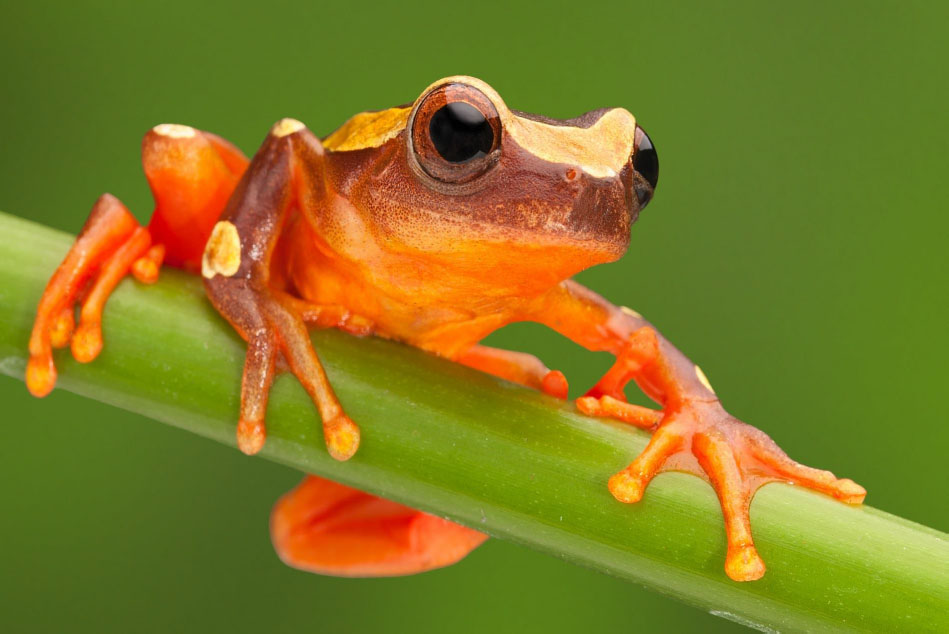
[{"x": 394, "y": 227}]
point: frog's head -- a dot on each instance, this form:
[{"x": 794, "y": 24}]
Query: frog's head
[{"x": 459, "y": 173}]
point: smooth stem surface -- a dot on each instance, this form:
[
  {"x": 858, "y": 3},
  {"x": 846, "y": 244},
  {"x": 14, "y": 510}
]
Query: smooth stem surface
[{"x": 502, "y": 459}]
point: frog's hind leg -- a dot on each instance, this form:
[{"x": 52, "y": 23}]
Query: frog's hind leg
[
  {"x": 191, "y": 174},
  {"x": 332, "y": 529}
]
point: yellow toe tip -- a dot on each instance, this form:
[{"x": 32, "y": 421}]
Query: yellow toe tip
[
  {"x": 40, "y": 376},
  {"x": 87, "y": 343},
  {"x": 588, "y": 405},
  {"x": 851, "y": 492},
  {"x": 342, "y": 437},
  {"x": 251, "y": 437},
  {"x": 626, "y": 488},
  {"x": 60, "y": 334},
  {"x": 744, "y": 564}
]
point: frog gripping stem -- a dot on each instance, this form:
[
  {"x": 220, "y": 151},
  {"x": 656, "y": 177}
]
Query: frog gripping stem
[
  {"x": 236, "y": 270},
  {"x": 692, "y": 433},
  {"x": 737, "y": 459},
  {"x": 386, "y": 227}
]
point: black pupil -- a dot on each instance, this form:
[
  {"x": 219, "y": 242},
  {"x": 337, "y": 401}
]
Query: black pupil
[
  {"x": 460, "y": 132},
  {"x": 646, "y": 161}
]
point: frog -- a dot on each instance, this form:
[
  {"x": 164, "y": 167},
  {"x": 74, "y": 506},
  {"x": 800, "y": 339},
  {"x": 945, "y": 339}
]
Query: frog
[{"x": 433, "y": 224}]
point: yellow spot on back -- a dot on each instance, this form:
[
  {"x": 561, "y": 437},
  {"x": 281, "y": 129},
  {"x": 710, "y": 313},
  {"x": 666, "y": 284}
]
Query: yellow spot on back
[
  {"x": 285, "y": 127},
  {"x": 368, "y": 130},
  {"x": 174, "y": 130},
  {"x": 703, "y": 379},
  {"x": 629, "y": 311},
  {"x": 222, "y": 253}
]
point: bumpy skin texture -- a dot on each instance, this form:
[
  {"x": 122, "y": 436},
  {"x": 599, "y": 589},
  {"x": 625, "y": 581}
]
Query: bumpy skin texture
[{"x": 374, "y": 231}]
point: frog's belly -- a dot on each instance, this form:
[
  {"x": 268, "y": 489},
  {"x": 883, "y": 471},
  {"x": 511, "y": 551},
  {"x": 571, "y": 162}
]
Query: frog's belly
[{"x": 427, "y": 315}]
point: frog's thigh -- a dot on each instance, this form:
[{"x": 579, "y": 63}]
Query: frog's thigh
[{"x": 331, "y": 529}]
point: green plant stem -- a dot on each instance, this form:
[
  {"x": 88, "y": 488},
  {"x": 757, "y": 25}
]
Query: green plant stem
[{"x": 505, "y": 460}]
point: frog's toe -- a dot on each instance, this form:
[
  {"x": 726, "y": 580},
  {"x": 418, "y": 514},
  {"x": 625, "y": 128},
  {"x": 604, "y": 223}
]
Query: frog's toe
[
  {"x": 717, "y": 459},
  {"x": 251, "y": 435},
  {"x": 342, "y": 437},
  {"x": 87, "y": 340},
  {"x": 277, "y": 340},
  {"x": 610, "y": 407},
  {"x": 555, "y": 384},
  {"x": 629, "y": 484},
  {"x": 776, "y": 464},
  {"x": 259, "y": 371},
  {"x": 61, "y": 331}
]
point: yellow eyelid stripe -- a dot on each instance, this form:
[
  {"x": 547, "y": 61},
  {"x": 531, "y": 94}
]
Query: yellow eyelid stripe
[
  {"x": 368, "y": 130},
  {"x": 600, "y": 150}
]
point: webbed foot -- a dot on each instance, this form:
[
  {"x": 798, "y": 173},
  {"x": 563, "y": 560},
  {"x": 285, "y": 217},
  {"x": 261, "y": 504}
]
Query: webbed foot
[{"x": 702, "y": 438}]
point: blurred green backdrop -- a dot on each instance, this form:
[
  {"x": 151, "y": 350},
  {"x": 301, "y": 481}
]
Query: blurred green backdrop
[{"x": 797, "y": 248}]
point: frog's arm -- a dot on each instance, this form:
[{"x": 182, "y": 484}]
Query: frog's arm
[
  {"x": 319, "y": 526},
  {"x": 693, "y": 434},
  {"x": 236, "y": 267},
  {"x": 191, "y": 174}
]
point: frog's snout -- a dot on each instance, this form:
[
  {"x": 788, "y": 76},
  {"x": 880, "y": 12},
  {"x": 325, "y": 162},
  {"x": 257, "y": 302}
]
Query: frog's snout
[{"x": 645, "y": 162}]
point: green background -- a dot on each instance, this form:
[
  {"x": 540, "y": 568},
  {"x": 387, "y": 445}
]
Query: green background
[{"x": 796, "y": 248}]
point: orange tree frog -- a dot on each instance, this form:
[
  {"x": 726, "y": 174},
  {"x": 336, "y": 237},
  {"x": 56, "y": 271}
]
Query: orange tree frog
[{"x": 432, "y": 224}]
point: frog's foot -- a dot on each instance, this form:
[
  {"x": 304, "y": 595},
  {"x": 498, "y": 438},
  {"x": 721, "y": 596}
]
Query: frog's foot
[
  {"x": 703, "y": 439},
  {"x": 274, "y": 328},
  {"x": 517, "y": 367},
  {"x": 331, "y": 529},
  {"x": 111, "y": 245}
]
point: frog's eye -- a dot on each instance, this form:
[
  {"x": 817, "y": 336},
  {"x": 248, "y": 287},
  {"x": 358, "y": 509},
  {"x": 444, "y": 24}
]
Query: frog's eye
[
  {"x": 456, "y": 133},
  {"x": 646, "y": 164}
]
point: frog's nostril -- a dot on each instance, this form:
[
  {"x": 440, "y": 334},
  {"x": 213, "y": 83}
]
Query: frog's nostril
[{"x": 646, "y": 164}]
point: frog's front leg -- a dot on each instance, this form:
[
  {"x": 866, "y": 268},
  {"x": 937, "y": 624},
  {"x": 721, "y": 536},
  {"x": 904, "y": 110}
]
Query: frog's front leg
[
  {"x": 285, "y": 171},
  {"x": 695, "y": 434}
]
